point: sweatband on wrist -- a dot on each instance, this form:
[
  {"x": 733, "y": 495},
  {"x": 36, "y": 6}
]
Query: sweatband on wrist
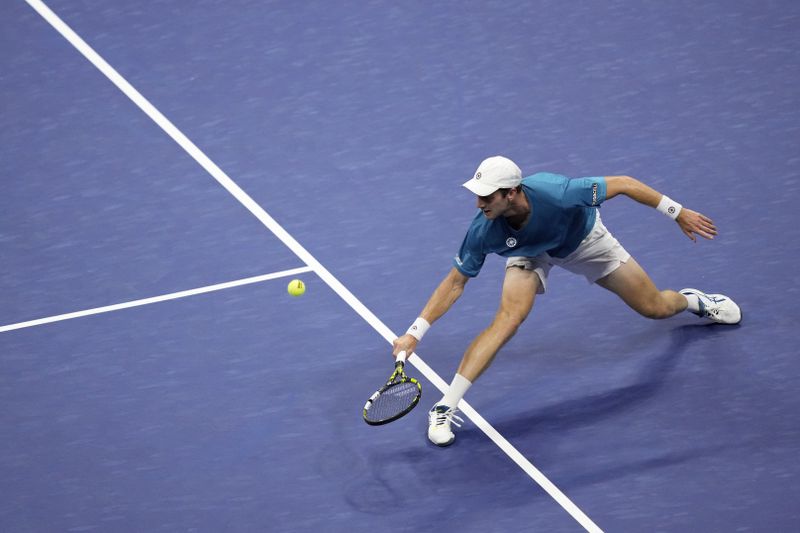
[
  {"x": 669, "y": 207},
  {"x": 418, "y": 328}
]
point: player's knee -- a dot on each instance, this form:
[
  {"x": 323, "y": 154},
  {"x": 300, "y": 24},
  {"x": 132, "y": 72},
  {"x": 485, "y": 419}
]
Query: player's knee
[{"x": 507, "y": 322}]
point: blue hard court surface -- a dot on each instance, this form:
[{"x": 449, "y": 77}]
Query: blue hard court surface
[{"x": 353, "y": 124}]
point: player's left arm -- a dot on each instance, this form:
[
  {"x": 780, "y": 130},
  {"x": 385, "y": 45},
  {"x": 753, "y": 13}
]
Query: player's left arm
[{"x": 690, "y": 222}]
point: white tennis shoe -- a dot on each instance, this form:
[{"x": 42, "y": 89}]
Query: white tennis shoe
[
  {"x": 716, "y": 307},
  {"x": 440, "y": 417}
]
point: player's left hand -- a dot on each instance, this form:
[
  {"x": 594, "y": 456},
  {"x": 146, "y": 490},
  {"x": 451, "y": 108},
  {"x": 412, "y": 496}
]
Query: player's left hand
[{"x": 692, "y": 222}]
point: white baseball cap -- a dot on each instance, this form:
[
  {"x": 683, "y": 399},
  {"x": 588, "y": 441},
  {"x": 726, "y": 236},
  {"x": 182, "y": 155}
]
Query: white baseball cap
[{"x": 494, "y": 173}]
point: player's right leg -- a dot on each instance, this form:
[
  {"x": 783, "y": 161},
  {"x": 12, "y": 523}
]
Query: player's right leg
[{"x": 519, "y": 290}]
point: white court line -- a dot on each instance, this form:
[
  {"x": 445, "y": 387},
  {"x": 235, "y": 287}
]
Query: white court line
[
  {"x": 155, "y": 299},
  {"x": 301, "y": 252}
]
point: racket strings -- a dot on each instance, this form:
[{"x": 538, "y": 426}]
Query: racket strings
[{"x": 394, "y": 400}]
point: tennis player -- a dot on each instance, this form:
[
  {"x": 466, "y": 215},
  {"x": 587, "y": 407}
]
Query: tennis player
[{"x": 541, "y": 221}]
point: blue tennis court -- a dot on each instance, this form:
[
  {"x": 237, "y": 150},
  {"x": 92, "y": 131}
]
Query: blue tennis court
[{"x": 168, "y": 169}]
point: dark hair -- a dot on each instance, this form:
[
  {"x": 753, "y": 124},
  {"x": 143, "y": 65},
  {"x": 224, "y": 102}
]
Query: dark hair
[{"x": 504, "y": 191}]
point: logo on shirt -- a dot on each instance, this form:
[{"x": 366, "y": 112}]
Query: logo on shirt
[
  {"x": 511, "y": 242},
  {"x": 594, "y": 194}
]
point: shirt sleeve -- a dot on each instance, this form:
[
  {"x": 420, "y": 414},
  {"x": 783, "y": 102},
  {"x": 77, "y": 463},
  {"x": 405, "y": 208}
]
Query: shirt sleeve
[
  {"x": 584, "y": 192},
  {"x": 470, "y": 258}
]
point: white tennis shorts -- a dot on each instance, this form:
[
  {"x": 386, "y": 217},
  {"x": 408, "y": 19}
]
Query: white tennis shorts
[{"x": 597, "y": 256}]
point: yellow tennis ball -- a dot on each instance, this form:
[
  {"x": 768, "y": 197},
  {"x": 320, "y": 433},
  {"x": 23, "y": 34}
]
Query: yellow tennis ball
[{"x": 296, "y": 287}]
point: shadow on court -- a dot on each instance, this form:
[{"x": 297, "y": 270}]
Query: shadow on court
[
  {"x": 545, "y": 429},
  {"x": 611, "y": 403},
  {"x": 383, "y": 477}
]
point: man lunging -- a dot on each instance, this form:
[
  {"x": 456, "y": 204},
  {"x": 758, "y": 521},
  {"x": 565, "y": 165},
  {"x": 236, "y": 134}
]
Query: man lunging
[{"x": 541, "y": 221}]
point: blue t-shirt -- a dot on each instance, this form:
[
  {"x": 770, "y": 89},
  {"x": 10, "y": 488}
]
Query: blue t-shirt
[{"x": 563, "y": 211}]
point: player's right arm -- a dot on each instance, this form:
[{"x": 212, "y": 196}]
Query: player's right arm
[{"x": 442, "y": 299}]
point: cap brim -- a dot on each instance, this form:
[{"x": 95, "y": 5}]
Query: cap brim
[{"x": 479, "y": 188}]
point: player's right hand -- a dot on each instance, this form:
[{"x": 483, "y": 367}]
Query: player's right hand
[{"x": 407, "y": 343}]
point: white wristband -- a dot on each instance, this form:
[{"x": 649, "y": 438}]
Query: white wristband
[
  {"x": 418, "y": 328},
  {"x": 669, "y": 207}
]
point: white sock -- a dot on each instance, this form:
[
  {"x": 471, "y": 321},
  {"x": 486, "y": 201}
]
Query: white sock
[
  {"x": 458, "y": 388},
  {"x": 694, "y": 303}
]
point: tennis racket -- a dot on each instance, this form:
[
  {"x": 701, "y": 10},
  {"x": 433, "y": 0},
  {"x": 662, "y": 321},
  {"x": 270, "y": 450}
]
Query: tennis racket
[{"x": 395, "y": 399}]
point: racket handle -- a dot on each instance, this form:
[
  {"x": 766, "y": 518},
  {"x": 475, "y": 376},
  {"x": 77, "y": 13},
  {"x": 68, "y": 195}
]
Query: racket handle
[{"x": 401, "y": 358}]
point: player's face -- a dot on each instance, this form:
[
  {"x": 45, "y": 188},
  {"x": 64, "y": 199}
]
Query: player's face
[{"x": 494, "y": 205}]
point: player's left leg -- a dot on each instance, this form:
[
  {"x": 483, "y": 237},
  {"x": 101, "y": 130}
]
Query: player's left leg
[
  {"x": 603, "y": 260},
  {"x": 631, "y": 283}
]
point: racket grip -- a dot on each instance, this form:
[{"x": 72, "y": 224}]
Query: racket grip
[{"x": 401, "y": 357}]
